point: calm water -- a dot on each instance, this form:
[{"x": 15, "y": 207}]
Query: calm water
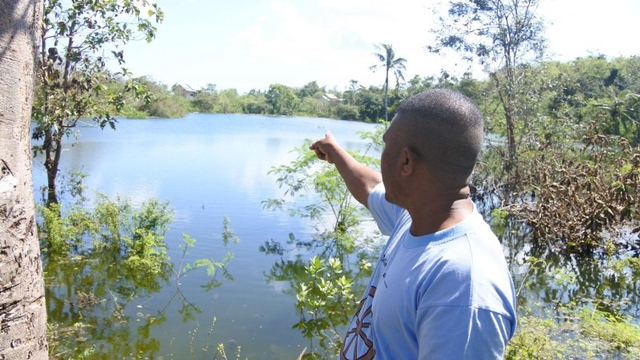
[
  {"x": 214, "y": 166},
  {"x": 209, "y": 167}
]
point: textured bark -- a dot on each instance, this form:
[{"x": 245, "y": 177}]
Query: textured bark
[{"x": 22, "y": 307}]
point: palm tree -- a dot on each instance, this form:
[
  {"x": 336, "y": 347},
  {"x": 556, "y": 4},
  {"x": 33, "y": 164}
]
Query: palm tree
[{"x": 387, "y": 60}]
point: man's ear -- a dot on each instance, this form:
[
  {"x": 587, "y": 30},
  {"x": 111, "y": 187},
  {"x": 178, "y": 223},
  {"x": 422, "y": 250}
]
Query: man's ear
[{"x": 409, "y": 162}]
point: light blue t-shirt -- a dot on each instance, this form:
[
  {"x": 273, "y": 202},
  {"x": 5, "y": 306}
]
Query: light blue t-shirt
[{"x": 447, "y": 295}]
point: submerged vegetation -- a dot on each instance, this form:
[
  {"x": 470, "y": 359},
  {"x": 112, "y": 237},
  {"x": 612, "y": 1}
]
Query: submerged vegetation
[
  {"x": 583, "y": 322},
  {"x": 327, "y": 285},
  {"x": 97, "y": 259},
  {"x": 567, "y": 210},
  {"x": 559, "y": 179}
]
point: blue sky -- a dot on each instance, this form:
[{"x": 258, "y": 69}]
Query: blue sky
[{"x": 250, "y": 44}]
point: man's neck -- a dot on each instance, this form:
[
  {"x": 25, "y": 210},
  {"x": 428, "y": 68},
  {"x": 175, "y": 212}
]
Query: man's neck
[{"x": 439, "y": 215}]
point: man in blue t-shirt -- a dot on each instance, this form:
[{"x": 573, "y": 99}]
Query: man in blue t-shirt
[{"x": 441, "y": 288}]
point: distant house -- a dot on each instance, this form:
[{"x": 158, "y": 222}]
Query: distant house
[
  {"x": 331, "y": 97},
  {"x": 185, "y": 91}
]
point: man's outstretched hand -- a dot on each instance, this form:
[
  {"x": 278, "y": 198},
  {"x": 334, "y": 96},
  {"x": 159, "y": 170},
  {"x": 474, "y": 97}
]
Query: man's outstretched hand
[{"x": 325, "y": 148}]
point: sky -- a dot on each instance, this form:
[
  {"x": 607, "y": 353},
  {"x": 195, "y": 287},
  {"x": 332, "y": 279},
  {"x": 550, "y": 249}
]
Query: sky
[{"x": 251, "y": 44}]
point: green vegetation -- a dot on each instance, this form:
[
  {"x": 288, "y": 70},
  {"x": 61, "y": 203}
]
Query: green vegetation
[
  {"x": 72, "y": 76},
  {"x": 502, "y": 36},
  {"x": 326, "y": 286},
  {"x": 580, "y": 334},
  {"x": 584, "y": 322},
  {"x": 388, "y": 61},
  {"x": 100, "y": 257},
  {"x": 570, "y": 198},
  {"x": 560, "y": 179},
  {"x": 586, "y": 327}
]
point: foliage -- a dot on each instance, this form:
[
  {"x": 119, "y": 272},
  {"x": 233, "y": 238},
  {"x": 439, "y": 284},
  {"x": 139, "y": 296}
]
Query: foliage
[
  {"x": 620, "y": 115},
  {"x": 588, "y": 336},
  {"x": 322, "y": 293},
  {"x": 347, "y": 112},
  {"x": 416, "y": 85},
  {"x": 582, "y": 318},
  {"x": 310, "y": 106},
  {"x": 282, "y": 100},
  {"x": 370, "y": 103},
  {"x": 503, "y": 34},
  {"x": 211, "y": 266},
  {"x": 72, "y": 69},
  {"x": 113, "y": 226},
  {"x": 389, "y": 62},
  {"x": 255, "y": 102},
  {"x": 573, "y": 333},
  {"x": 312, "y": 90},
  {"x": 98, "y": 259},
  {"x": 205, "y": 101},
  {"x": 327, "y": 284},
  {"x": 612, "y": 335},
  {"x": 595, "y": 88},
  {"x": 161, "y": 103},
  {"x": 228, "y": 102},
  {"x": 579, "y": 197},
  {"x": 304, "y": 179}
]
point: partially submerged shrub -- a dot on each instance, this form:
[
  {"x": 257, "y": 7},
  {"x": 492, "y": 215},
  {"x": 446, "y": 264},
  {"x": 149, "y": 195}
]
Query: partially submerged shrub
[{"x": 579, "y": 201}]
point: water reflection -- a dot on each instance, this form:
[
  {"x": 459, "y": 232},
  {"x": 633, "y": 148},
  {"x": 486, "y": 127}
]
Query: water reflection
[
  {"x": 327, "y": 271},
  {"x": 223, "y": 171},
  {"x": 108, "y": 260},
  {"x": 208, "y": 166},
  {"x": 554, "y": 280},
  {"x": 326, "y": 286},
  {"x": 88, "y": 303}
]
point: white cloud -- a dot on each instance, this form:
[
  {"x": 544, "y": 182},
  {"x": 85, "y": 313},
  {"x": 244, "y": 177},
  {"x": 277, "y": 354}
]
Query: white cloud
[
  {"x": 252, "y": 44},
  {"x": 578, "y": 29}
]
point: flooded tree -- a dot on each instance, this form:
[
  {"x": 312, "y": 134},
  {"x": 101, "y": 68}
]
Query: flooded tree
[{"x": 78, "y": 39}]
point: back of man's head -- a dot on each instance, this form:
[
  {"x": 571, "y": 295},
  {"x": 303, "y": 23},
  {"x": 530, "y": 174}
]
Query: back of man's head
[{"x": 445, "y": 129}]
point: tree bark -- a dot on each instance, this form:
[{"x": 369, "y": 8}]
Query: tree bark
[{"x": 22, "y": 306}]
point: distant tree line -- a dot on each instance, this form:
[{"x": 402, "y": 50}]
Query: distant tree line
[{"x": 578, "y": 89}]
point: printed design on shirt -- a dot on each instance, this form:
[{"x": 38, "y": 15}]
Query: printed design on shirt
[
  {"x": 384, "y": 262},
  {"x": 357, "y": 345}
]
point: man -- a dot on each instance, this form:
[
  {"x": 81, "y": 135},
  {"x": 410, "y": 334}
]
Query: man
[{"x": 441, "y": 288}]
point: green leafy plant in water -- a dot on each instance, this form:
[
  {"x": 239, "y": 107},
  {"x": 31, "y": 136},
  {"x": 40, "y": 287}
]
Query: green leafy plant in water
[
  {"x": 575, "y": 327},
  {"x": 95, "y": 262},
  {"x": 579, "y": 333},
  {"x": 321, "y": 299},
  {"x": 315, "y": 188},
  {"x": 211, "y": 266},
  {"x": 613, "y": 336},
  {"x": 327, "y": 285},
  {"x": 98, "y": 259}
]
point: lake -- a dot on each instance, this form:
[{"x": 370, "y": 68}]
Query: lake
[
  {"x": 216, "y": 167},
  {"x": 209, "y": 167}
]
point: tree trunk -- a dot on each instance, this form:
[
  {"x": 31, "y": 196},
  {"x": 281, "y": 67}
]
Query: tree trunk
[
  {"x": 386, "y": 89},
  {"x": 52, "y": 152},
  {"x": 22, "y": 310}
]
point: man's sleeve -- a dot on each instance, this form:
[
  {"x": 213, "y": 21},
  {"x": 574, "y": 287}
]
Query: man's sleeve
[
  {"x": 384, "y": 213},
  {"x": 446, "y": 333}
]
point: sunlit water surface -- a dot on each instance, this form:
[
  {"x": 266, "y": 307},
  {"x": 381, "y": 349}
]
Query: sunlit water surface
[
  {"x": 209, "y": 167},
  {"x": 214, "y": 166}
]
